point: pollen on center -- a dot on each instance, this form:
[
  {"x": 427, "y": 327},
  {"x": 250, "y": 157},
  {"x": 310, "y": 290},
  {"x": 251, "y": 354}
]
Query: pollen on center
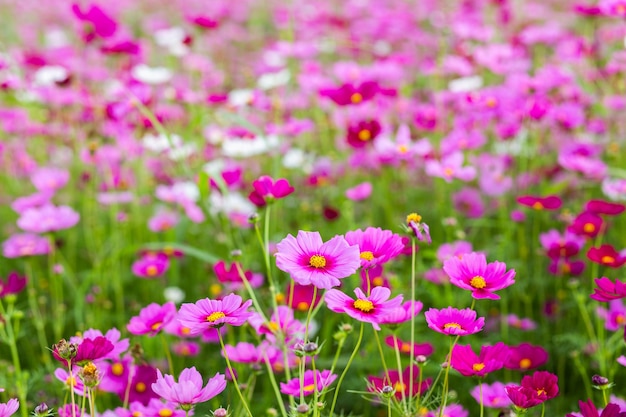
[
  {"x": 117, "y": 369},
  {"x": 413, "y": 217},
  {"x": 589, "y": 228},
  {"x": 365, "y": 135},
  {"x": 367, "y": 255},
  {"x": 317, "y": 261},
  {"x": 477, "y": 367},
  {"x": 452, "y": 325},
  {"x": 606, "y": 259},
  {"x": 309, "y": 387},
  {"x": 364, "y": 305},
  {"x": 478, "y": 282},
  {"x": 216, "y": 315},
  {"x": 356, "y": 98},
  {"x": 537, "y": 205},
  {"x": 525, "y": 363},
  {"x": 151, "y": 270},
  {"x": 156, "y": 326}
]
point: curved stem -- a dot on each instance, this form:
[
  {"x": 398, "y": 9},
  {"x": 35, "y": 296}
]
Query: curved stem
[
  {"x": 232, "y": 374},
  {"x": 345, "y": 370}
]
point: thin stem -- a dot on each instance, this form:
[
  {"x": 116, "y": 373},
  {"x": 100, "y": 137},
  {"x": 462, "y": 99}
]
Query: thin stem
[
  {"x": 382, "y": 356},
  {"x": 345, "y": 370},
  {"x": 34, "y": 308},
  {"x": 232, "y": 374},
  {"x": 8, "y": 335},
  {"x": 401, "y": 377},
  {"x": 445, "y": 378},
  {"x": 72, "y": 383},
  {"x": 413, "y": 278},
  {"x": 168, "y": 354},
  {"x": 480, "y": 390},
  {"x": 270, "y": 373}
]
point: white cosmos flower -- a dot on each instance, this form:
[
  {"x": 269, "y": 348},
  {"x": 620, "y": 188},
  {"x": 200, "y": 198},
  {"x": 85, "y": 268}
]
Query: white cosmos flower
[
  {"x": 242, "y": 148},
  {"x": 151, "y": 75},
  {"x": 49, "y": 75},
  {"x": 274, "y": 79}
]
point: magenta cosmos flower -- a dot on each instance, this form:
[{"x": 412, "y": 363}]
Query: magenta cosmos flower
[
  {"x": 207, "y": 313},
  {"x": 490, "y": 359},
  {"x": 266, "y": 190},
  {"x": 377, "y": 246},
  {"x": 454, "y": 322},
  {"x": 370, "y": 309},
  {"x": 152, "y": 319},
  {"x": 311, "y": 261},
  {"x": 588, "y": 409},
  {"x": 317, "y": 381},
  {"x": 607, "y": 290},
  {"x": 472, "y": 272},
  {"x": 188, "y": 390},
  {"x": 48, "y": 218}
]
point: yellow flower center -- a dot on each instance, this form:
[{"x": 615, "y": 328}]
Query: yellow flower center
[
  {"x": 589, "y": 228},
  {"x": 216, "y": 315},
  {"x": 185, "y": 330},
  {"x": 478, "y": 282},
  {"x": 356, "y": 98},
  {"x": 447, "y": 171},
  {"x": 151, "y": 270},
  {"x": 377, "y": 282},
  {"x": 492, "y": 102},
  {"x": 606, "y": 259},
  {"x": 309, "y": 387},
  {"x": 215, "y": 289},
  {"x": 525, "y": 363},
  {"x": 399, "y": 386},
  {"x": 405, "y": 348},
  {"x": 70, "y": 381},
  {"x": 137, "y": 414},
  {"x": 477, "y": 367},
  {"x": 541, "y": 391},
  {"x": 452, "y": 325},
  {"x": 365, "y": 135},
  {"x": 273, "y": 326},
  {"x": 364, "y": 305},
  {"x": 403, "y": 149},
  {"x": 140, "y": 387},
  {"x": 280, "y": 298},
  {"x": 156, "y": 326},
  {"x": 317, "y": 261},
  {"x": 413, "y": 217},
  {"x": 302, "y": 306},
  {"x": 537, "y": 205},
  {"x": 165, "y": 412},
  {"x": 367, "y": 255},
  {"x": 117, "y": 369}
]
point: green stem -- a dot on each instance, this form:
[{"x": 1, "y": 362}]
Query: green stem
[
  {"x": 8, "y": 335},
  {"x": 72, "y": 383},
  {"x": 445, "y": 378},
  {"x": 480, "y": 390},
  {"x": 270, "y": 373},
  {"x": 413, "y": 278},
  {"x": 232, "y": 374},
  {"x": 345, "y": 370},
  {"x": 168, "y": 354},
  {"x": 34, "y": 309},
  {"x": 400, "y": 376}
]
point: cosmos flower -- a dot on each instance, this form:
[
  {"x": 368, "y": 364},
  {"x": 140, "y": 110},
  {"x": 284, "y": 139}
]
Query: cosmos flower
[
  {"x": 407, "y": 348},
  {"x": 293, "y": 387},
  {"x": 25, "y": 244},
  {"x": 606, "y": 255},
  {"x": 188, "y": 391},
  {"x": 490, "y": 359},
  {"x": 47, "y": 218},
  {"x": 208, "y": 313},
  {"x": 151, "y": 265},
  {"x": 400, "y": 382},
  {"x": 607, "y": 290},
  {"x": 152, "y": 319},
  {"x": 9, "y": 408},
  {"x": 472, "y": 272},
  {"x": 377, "y": 246},
  {"x": 309, "y": 260},
  {"x": 366, "y": 309},
  {"x": 452, "y": 321},
  {"x": 363, "y": 133},
  {"x": 88, "y": 350},
  {"x": 494, "y": 395},
  {"x": 551, "y": 202},
  {"x": 266, "y": 190},
  {"x": 13, "y": 284},
  {"x": 588, "y": 409}
]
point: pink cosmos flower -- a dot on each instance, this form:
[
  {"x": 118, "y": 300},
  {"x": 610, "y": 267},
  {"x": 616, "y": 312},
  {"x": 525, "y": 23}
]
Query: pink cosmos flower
[
  {"x": 360, "y": 191},
  {"x": 522, "y": 397},
  {"x": 99, "y": 23},
  {"x": 604, "y": 207},
  {"x": 281, "y": 322},
  {"x": 376, "y": 245},
  {"x": 450, "y": 166},
  {"x": 551, "y": 202},
  {"x": 472, "y": 272},
  {"x": 188, "y": 391},
  {"x": 606, "y": 255},
  {"x": 88, "y": 350},
  {"x": 452, "y": 321},
  {"x": 163, "y": 220},
  {"x": 401, "y": 382},
  {"x": 350, "y": 94},
  {"x": 248, "y": 353},
  {"x": 544, "y": 383},
  {"x": 48, "y": 218},
  {"x": 140, "y": 385},
  {"x": 73, "y": 382},
  {"x": 266, "y": 190},
  {"x": 25, "y": 244},
  {"x": 208, "y": 313},
  {"x": 402, "y": 313},
  {"x": 418, "y": 227},
  {"x": 323, "y": 379},
  {"x": 366, "y": 309},
  {"x": 49, "y": 179},
  {"x": 607, "y": 290},
  {"x": 112, "y": 335},
  {"x": 490, "y": 359},
  {"x": 152, "y": 319},
  {"x": 151, "y": 265},
  {"x": 494, "y": 395},
  {"x": 363, "y": 133},
  {"x": 588, "y": 408},
  {"x": 407, "y": 348},
  {"x": 9, "y": 408},
  {"x": 311, "y": 261}
]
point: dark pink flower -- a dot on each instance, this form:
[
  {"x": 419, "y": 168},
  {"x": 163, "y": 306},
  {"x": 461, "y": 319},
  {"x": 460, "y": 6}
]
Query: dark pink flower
[
  {"x": 607, "y": 290},
  {"x": 208, "y": 313},
  {"x": 88, "y": 350},
  {"x": 544, "y": 383},
  {"x": 203, "y": 22},
  {"x": 472, "y": 272},
  {"x": 407, "y": 348},
  {"x": 266, "y": 190},
  {"x": 363, "y": 133},
  {"x": 370, "y": 309},
  {"x": 400, "y": 382},
  {"x": 587, "y": 224},
  {"x": 350, "y": 94},
  {"x": 525, "y": 356},
  {"x": 490, "y": 359},
  {"x": 14, "y": 284},
  {"x": 588, "y": 409},
  {"x": 604, "y": 207},
  {"x": 606, "y": 255},
  {"x": 100, "y": 24},
  {"x": 522, "y": 397},
  {"x": 309, "y": 260},
  {"x": 551, "y": 202},
  {"x": 151, "y": 265}
]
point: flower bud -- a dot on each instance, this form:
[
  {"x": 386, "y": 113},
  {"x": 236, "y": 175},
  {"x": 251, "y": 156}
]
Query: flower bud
[
  {"x": 387, "y": 391},
  {"x": 65, "y": 349},
  {"x": 302, "y": 409},
  {"x": 42, "y": 410},
  {"x": 220, "y": 412}
]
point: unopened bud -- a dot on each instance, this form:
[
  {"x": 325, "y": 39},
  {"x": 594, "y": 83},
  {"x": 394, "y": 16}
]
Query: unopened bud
[
  {"x": 310, "y": 348},
  {"x": 42, "y": 410},
  {"x": 65, "y": 349},
  {"x": 302, "y": 409},
  {"x": 387, "y": 391},
  {"x": 220, "y": 412}
]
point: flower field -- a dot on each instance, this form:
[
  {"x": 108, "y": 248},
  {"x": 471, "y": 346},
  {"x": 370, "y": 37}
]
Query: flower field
[{"x": 331, "y": 208}]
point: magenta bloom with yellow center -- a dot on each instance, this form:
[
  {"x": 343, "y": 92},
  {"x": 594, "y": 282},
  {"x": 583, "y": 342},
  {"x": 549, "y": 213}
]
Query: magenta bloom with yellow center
[
  {"x": 309, "y": 260},
  {"x": 206, "y": 313},
  {"x": 454, "y": 322},
  {"x": 372, "y": 309},
  {"x": 472, "y": 272}
]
